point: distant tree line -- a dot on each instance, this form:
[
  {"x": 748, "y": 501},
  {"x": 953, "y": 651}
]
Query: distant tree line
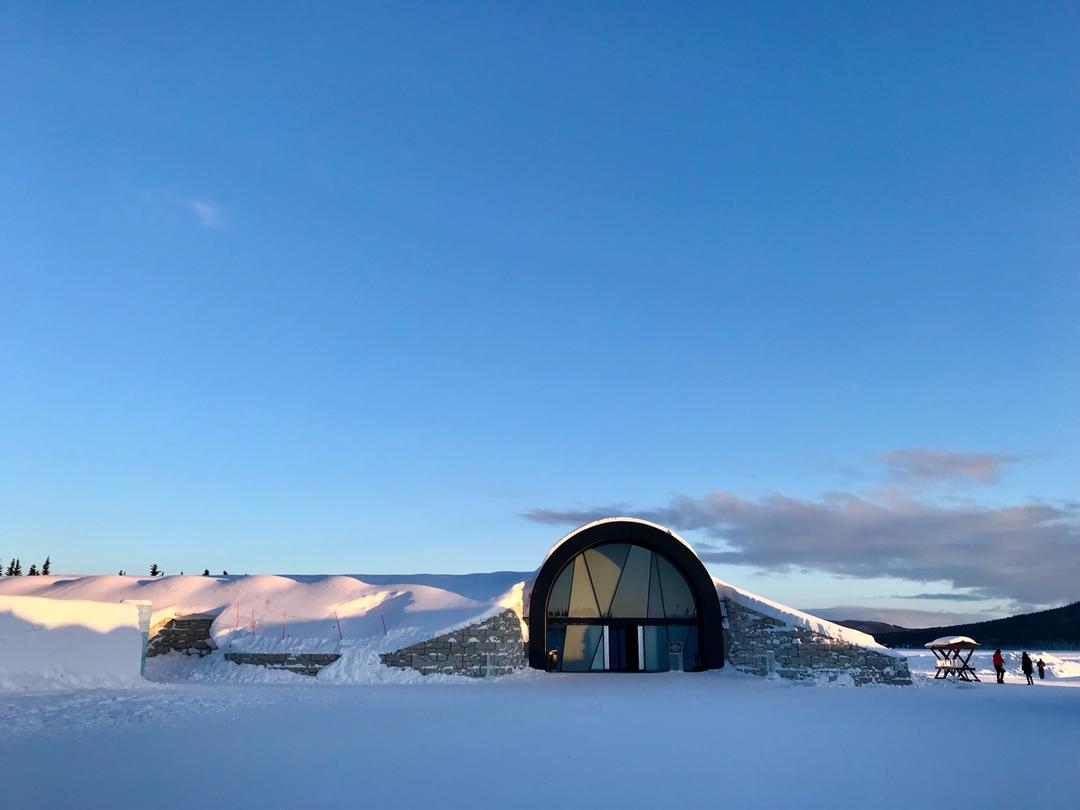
[
  {"x": 155, "y": 571},
  {"x": 1057, "y": 628},
  {"x": 14, "y": 568}
]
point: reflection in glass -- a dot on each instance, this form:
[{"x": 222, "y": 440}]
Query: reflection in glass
[
  {"x": 656, "y": 598},
  {"x": 582, "y": 641},
  {"x": 691, "y": 654},
  {"x": 559, "y": 598},
  {"x": 678, "y": 601},
  {"x": 582, "y": 601},
  {"x": 599, "y": 657},
  {"x": 605, "y": 566},
  {"x": 656, "y": 648},
  {"x": 632, "y": 597}
]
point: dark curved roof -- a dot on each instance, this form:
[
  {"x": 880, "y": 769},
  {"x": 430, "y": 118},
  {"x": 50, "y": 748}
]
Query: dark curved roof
[{"x": 638, "y": 532}]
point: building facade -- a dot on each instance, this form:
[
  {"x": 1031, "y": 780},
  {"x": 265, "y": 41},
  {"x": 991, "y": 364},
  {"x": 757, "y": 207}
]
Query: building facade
[{"x": 627, "y": 595}]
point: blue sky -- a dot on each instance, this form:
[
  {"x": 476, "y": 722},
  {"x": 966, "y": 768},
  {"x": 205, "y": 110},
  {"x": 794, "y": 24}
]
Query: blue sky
[{"x": 410, "y": 288}]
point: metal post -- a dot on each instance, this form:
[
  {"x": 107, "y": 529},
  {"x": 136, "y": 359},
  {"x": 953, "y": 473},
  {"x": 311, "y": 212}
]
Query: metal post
[{"x": 146, "y": 610}]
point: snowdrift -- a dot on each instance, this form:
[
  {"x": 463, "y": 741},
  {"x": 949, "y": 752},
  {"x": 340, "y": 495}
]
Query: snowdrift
[
  {"x": 46, "y": 643},
  {"x": 309, "y": 606},
  {"x": 358, "y": 616}
]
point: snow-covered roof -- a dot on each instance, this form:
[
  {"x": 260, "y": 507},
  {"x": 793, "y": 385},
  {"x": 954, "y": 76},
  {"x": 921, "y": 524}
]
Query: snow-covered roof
[
  {"x": 797, "y": 618},
  {"x": 623, "y": 519},
  {"x": 952, "y": 641},
  {"x": 311, "y": 612}
]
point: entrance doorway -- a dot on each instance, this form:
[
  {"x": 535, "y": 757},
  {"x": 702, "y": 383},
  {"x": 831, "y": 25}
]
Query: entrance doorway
[
  {"x": 627, "y": 648},
  {"x": 623, "y": 646}
]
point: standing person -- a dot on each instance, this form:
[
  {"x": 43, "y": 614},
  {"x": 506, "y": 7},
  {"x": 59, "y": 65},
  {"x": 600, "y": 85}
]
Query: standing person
[
  {"x": 1026, "y": 665},
  {"x": 1042, "y": 668},
  {"x": 999, "y": 666}
]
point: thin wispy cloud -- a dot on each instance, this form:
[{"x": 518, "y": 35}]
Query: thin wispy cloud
[
  {"x": 1028, "y": 552},
  {"x": 209, "y": 213},
  {"x": 945, "y": 597},
  {"x": 920, "y": 465}
]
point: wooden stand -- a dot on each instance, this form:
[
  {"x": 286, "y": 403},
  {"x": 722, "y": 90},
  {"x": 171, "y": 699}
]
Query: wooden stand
[{"x": 954, "y": 659}]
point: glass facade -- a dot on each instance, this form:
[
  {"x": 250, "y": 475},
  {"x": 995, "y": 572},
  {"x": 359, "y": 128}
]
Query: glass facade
[{"x": 621, "y": 607}]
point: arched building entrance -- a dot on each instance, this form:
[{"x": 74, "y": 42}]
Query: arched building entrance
[{"x": 624, "y": 595}]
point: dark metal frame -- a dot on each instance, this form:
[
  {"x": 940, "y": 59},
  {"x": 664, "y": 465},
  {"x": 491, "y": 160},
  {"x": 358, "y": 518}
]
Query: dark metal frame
[
  {"x": 964, "y": 672},
  {"x": 659, "y": 540}
]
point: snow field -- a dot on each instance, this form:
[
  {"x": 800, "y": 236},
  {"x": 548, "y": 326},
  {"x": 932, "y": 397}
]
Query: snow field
[{"x": 630, "y": 741}]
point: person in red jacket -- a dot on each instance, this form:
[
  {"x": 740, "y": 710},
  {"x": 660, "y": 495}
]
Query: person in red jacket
[{"x": 999, "y": 666}]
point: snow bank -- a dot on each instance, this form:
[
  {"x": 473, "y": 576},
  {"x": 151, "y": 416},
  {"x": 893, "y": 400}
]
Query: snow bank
[
  {"x": 265, "y": 613},
  {"x": 796, "y": 618},
  {"x": 45, "y": 643},
  {"x": 1056, "y": 668}
]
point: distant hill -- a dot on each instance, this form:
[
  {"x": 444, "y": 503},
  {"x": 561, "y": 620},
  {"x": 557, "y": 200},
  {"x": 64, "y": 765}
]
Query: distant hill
[
  {"x": 870, "y": 627},
  {"x": 1057, "y": 628}
]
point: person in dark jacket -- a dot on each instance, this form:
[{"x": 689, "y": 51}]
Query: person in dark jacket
[
  {"x": 999, "y": 666},
  {"x": 1027, "y": 667},
  {"x": 1042, "y": 668}
]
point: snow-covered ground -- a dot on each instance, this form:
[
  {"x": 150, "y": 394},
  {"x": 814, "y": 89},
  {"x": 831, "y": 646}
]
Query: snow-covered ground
[
  {"x": 538, "y": 740},
  {"x": 207, "y": 733}
]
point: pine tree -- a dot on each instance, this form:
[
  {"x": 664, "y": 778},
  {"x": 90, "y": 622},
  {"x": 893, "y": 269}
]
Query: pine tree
[
  {"x": 206, "y": 572},
  {"x": 45, "y": 566},
  {"x": 11, "y": 568},
  {"x": 121, "y": 573},
  {"x": 33, "y": 570},
  {"x": 18, "y": 567},
  {"x": 153, "y": 570},
  {"x": 224, "y": 573}
]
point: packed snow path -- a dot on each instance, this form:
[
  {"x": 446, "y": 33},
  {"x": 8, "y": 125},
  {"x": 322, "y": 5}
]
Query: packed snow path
[{"x": 537, "y": 741}]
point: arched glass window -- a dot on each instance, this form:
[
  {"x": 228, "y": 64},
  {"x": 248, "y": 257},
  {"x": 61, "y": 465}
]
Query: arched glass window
[
  {"x": 620, "y": 581},
  {"x": 617, "y": 606}
]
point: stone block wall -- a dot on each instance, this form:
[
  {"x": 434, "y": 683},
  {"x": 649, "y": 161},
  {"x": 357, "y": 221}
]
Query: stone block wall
[
  {"x": 302, "y": 663},
  {"x": 493, "y": 646},
  {"x": 187, "y": 634},
  {"x": 762, "y": 645}
]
